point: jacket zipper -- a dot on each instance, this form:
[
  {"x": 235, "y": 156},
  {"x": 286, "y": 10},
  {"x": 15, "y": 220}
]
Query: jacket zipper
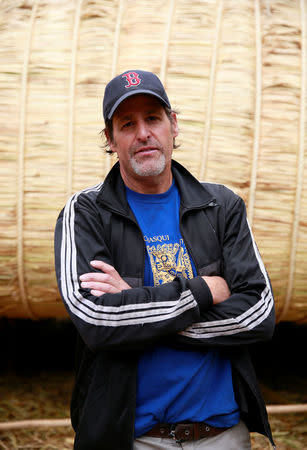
[{"x": 210, "y": 204}]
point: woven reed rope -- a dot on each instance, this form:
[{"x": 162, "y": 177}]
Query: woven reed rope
[
  {"x": 236, "y": 71},
  {"x": 71, "y": 109},
  {"x": 206, "y": 136},
  {"x": 120, "y": 10},
  {"x": 172, "y": 5},
  {"x": 258, "y": 96},
  {"x": 300, "y": 163},
  {"x": 20, "y": 192}
]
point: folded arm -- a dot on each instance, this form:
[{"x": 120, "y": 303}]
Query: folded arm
[
  {"x": 108, "y": 280},
  {"x": 122, "y": 317},
  {"x": 198, "y": 312},
  {"x": 248, "y": 314}
]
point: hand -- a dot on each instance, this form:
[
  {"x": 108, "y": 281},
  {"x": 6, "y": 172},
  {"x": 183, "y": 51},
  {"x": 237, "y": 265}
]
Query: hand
[
  {"x": 218, "y": 287},
  {"x": 101, "y": 283}
]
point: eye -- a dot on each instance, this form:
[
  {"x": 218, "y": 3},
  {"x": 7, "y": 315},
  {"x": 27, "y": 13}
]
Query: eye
[
  {"x": 127, "y": 124},
  {"x": 152, "y": 118}
]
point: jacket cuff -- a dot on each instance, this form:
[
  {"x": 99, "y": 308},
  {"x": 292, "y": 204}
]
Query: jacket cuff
[{"x": 201, "y": 293}]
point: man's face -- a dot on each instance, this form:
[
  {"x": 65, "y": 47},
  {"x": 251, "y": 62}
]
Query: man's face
[{"x": 143, "y": 137}]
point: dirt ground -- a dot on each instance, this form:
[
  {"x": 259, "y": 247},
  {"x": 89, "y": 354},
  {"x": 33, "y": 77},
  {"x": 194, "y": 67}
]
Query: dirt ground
[{"x": 38, "y": 384}]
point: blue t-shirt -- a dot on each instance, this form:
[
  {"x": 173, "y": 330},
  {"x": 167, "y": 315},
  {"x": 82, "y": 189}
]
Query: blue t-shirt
[{"x": 175, "y": 385}]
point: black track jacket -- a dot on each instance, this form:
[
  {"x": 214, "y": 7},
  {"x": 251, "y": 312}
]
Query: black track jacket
[{"x": 97, "y": 223}]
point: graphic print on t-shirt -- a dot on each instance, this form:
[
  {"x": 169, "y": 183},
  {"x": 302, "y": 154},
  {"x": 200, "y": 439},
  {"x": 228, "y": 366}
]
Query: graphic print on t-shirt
[
  {"x": 165, "y": 395},
  {"x": 168, "y": 260}
]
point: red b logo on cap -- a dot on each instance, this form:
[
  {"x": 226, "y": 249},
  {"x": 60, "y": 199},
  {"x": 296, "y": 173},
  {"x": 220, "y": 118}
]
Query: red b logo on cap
[{"x": 132, "y": 79}]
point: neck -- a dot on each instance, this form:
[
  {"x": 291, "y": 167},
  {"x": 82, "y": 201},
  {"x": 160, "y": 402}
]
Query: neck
[{"x": 149, "y": 185}]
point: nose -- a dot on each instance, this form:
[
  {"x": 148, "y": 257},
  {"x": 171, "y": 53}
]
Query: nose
[{"x": 142, "y": 131}]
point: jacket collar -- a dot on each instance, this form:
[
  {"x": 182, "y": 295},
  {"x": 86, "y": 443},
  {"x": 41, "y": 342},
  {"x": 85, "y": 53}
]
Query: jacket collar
[{"x": 192, "y": 193}]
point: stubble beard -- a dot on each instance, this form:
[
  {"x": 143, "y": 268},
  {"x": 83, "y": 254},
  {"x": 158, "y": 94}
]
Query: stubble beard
[{"x": 151, "y": 168}]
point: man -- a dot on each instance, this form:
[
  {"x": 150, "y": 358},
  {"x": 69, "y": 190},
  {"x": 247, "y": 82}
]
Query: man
[{"x": 164, "y": 283}]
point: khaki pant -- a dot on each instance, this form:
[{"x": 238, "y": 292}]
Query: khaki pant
[{"x": 236, "y": 438}]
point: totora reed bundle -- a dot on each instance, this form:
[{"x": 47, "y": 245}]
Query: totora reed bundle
[{"x": 236, "y": 71}]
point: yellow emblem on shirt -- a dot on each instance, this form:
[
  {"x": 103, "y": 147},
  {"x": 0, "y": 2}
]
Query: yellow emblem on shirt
[{"x": 169, "y": 260}]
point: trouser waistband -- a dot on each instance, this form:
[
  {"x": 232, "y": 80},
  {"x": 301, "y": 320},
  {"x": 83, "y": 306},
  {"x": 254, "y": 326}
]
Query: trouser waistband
[{"x": 182, "y": 432}]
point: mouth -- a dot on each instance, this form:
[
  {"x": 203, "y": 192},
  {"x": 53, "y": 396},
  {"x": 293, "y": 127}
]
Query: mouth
[{"x": 148, "y": 150}]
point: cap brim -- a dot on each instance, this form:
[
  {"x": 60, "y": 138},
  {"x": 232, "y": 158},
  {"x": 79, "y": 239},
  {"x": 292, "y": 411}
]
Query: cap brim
[{"x": 136, "y": 92}]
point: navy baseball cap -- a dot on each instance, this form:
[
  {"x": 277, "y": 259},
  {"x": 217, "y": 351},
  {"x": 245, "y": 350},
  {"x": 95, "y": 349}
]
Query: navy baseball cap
[{"x": 131, "y": 82}]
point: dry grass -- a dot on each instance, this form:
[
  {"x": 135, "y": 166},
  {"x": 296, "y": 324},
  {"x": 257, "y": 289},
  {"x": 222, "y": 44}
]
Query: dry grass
[
  {"x": 53, "y": 439},
  {"x": 289, "y": 431},
  {"x": 48, "y": 395},
  {"x": 32, "y": 397}
]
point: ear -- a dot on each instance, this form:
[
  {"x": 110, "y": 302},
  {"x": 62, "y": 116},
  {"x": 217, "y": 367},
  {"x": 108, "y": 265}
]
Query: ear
[
  {"x": 174, "y": 125},
  {"x": 109, "y": 140}
]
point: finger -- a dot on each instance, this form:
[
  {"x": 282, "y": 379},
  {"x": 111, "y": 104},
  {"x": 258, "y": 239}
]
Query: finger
[
  {"x": 94, "y": 276},
  {"x": 97, "y": 293},
  {"x": 105, "y": 287},
  {"x": 103, "y": 266}
]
